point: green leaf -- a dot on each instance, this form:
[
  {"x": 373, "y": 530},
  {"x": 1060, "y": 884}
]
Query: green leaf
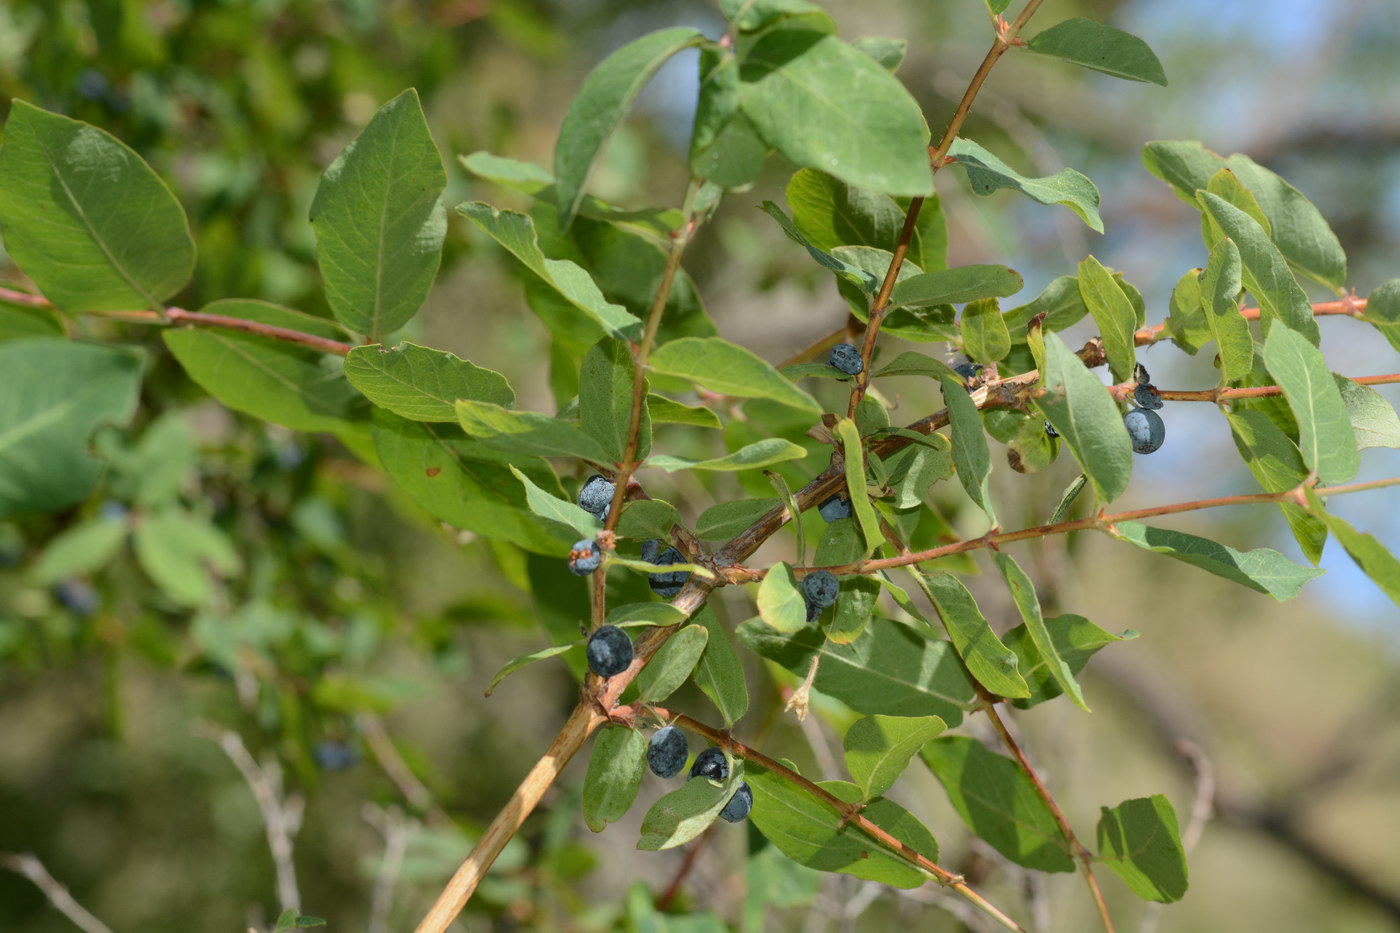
[
  {"x": 647, "y": 518},
  {"x": 1265, "y": 272},
  {"x": 1220, "y": 286},
  {"x": 19, "y": 321},
  {"x": 879, "y": 748},
  {"x": 1028, "y": 604},
  {"x": 79, "y": 550},
  {"x": 998, "y": 802},
  {"x": 57, "y": 393},
  {"x": 516, "y": 232},
  {"x": 422, "y": 384},
  {"x": 1261, "y": 569},
  {"x": 465, "y": 483},
  {"x": 1325, "y": 435},
  {"x": 1227, "y": 186},
  {"x": 525, "y": 177},
  {"x": 1278, "y": 466},
  {"x": 1113, "y": 313},
  {"x": 86, "y": 219},
  {"x": 956, "y": 285},
  {"x": 380, "y": 220},
  {"x": 1383, "y": 311},
  {"x": 810, "y": 833},
  {"x": 758, "y": 454},
  {"x": 554, "y": 509},
  {"x": 292, "y": 920},
  {"x": 1100, "y": 48},
  {"x": 526, "y": 432},
  {"x": 972, "y": 459},
  {"x": 916, "y": 364},
  {"x": 992, "y": 663},
  {"x": 887, "y": 53},
  {"x": 1060, "y": 302},
  {"x": 891, "y": 669},
  {"x": 605, "y": 399},
  {"x": 635, "y": 615},
  {"x": 1186, "y": 323},
  {"x": 663, "y": 410},
  {"x": 725, "y": 148},
  {"x": 1083, "y": 411},
  {"x": 721, "y": 366},
  {"x": 753, "y": 15},
  {"x": 780, "y": 600},
  {"x": 672, "y": 664},
  {"x": 854, "y": 609},
  {"x": 915, "y": 468},
  {"x": 724, "y": 521},
  {"x": 985, "y": 337},
  {"x": 614, "y": 773},
  {"x": 288, "y": 384},
  {"x": 600, "y": 105},
  {"x": 1076, "y": 640},
  {"x": 1373, "y": 420},
  {"x": 182, "y": 554},
  {"x": 719, "y": 675},
  {"x": 824, "y": 105},
  {"x": 865, "y": 279},
  {"x": 683, "y": 814},
  {"x": 986, "y": 173},
  {"x": 853, "y": 462},
  {"x": 1139, "y": 841},
  {"x": 1368, "y": 553},
  {"x": 525, "y": 660},
  {"x": 831, "y": 213}
]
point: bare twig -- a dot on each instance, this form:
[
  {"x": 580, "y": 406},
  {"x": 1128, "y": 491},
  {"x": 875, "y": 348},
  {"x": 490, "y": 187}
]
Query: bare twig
[
  {"x": 397, "y": 831},
  {"x": 381, "y": 745},
  {"x": 30, "y": 867}
]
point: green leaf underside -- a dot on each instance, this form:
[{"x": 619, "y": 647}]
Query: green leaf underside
[
  {"x": 992, "y": 663},
  {"x": 86, "y": 219},
  {"x": 780, "y": 600},
  {"x": 663, "y": 410},
  {"x": 910, "y": 363},
  {"x": 1113, "y": 313},
  {"x": 525, "y": 660},
  {"x": 380, "y": 221},
  {"x": 750, "y": 457},
  {"x": 1278, "y": 466},
  {"x": 1076, "y": 639},
  {"x": 605, "y": 399},
  {"x": 81, "y": 549},
  {"x": 867, "y": 281},
  {"x": 683, "y": 814},
  {"x": 891, "y": 669},
  {"x": 824, "y": 105},
  {"x": 526, "y": 432},
  {"x": 810, "y": 833},
  {"x": 516, "y": 232},
  {"x": 614, "y": 773},
  {"x": 1140, "y": 842},
  {"x": 552, "y": 508},
  {"x": 724, "y": 521},
  {"x": 956, "y": 285},
  {"x": 830, "y": 213},
  {"x": 879, "y": 748},
  {"x": 1101, "y": 48},
  {"x": 1324, "y": 425},
  {"x": 719, "y": 675},
  {"x": 853, "y": 454},
  {"x": 672, "y": 664},
  {"x": 986, "y": 173},
  {"x": 59, "y": 392},
  {"x": 640, "y": 614},
  {"x": 1368, "y": 553},
  {"x": 972, "y": 459},
  {"x": 600, "y": 105},
  {"x": 1220, "y": 286},
  {"x": 721, "y": 366},
  {"x": 182, "y": 554},
  {"x": 647, "y": 518},
  {"x": 1082, "y": 410},
  {"x": 1028, "y": 604},
  {"x": 985, "y": 337},
  {"x": 1373, "y": 420},
  {"x": 1261, "y": 569},
  {"x": 422, "y": 384},
  {"x": 998, "y": 802}
]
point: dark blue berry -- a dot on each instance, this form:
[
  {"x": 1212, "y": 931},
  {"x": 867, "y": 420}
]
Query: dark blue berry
[
  {"x": 78, "y": 596},
  {"x": 1146, "y": 430},
  {"x": 738, "y": 807},
  {"x": 668, "y": 584},
  {"x": 334, "y": 756},
  {"x": 814, "y": 612},
  {"x": 710, "y": 764},
  {"x": 667, "y": 752},
  {"x": 584, "y": 557},
  {"x": 821, "y": 588},
  {"x": 1050, "y": 430},
  {"x": 835, "y": 508},
  {"x": 596, "y": 496},
  {"x": 1147, "y": 395},
  {"x": 1140, "y": 374},
  {"x": 846, "y": 358},
  {"x": 968, "y": 370},
  {"x": 609, "y": 651},
  {"x": 650, "y": 550}
]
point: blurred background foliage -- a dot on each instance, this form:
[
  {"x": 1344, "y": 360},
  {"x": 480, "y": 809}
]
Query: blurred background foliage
[{"x": 347, "y": 638}]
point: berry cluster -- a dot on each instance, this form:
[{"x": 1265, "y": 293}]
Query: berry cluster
[
  {"x": 666, "y": 754},
  {"x": 1145, "y": 427},
  {"x": 666, "y": 583}
]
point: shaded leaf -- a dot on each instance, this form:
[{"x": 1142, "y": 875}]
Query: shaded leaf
[
  {"x": 1278, "y": 466},
  {"x": 1140, "y": 842},
  {"x": 647, "y": 518},
  {"x": 1261, "y": 569},
  {"x": 1100, "y": 48},
  {"x": 672, "y": 664},
  {"x": 1113, "y": 313},
  {"x": 614, "y": 773},
  {"x": 956, "y": 285},
  {"x": 526, "y": 432},
  {"x": 985, "y": 337},
  {"x": 78, "y": 550},
  {"x": 1076, "y": 639},
  {"x": 1028, "y": 605},
  {"x": 605, "y": 399},
  {"x": 1082, "y": 410},
  {"x": 853, "y": 462},
  {"x": 879, "y": 748},
  {"x": 552, "y": 508},
  {"x": 724, "y": 521},
  {"x": 758, "y": 454},
  {"x": 986, "y": 173},
  {"x": 683, "y": 814},
  {"x": 719, "y": 675},
  {"x": 831, "y": 213},
  {"x": 1325, "y": 435},
  {"x": 1220, "y": 286},
  {"x": 721, "y": 366},
  {"x": 422, "y": 384},
  {"x": 972, "y": 459},
  {"x": 1373, "y": 420},
  {"x": 992, "y": 663},
  {"x": 668, "y": 411},
  {"x": 525, "y": 660}
]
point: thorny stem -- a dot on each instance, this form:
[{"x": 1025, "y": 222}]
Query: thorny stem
[
  {"x": 1005, "y": 39},
  {"x": 1081, "y": 854},
  {"x": 849, "y": 812}
]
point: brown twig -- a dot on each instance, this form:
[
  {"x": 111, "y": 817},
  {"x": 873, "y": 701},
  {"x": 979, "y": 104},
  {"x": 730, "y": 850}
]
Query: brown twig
[
  {"x": 692, "y": 852},
  {"x": 30, "y": 867}
]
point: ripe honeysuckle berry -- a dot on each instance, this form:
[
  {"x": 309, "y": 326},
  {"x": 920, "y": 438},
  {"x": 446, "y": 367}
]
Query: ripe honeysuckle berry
[
  {"x": 1050, "y": 430},
  {"x": 821, "y": 588},
  {"x": 667, "y": 752},
  {"x": 1146, "y": 429},
  {"x": 584, "y": 557},
  {"x": 710, "y": 764},
  {"x": 846, "y": 358},
  {"x": 609, "y": 651},
  {"x": 814, "y": 612},
  {"x": 596, "y": 495},
  {"x": 835, "y": 508},
  {"x": 650, "y": 550},
  {"x": 738, "y": 807},
  {"x": 968, "y": 370},
  {"x": 1140, "y": 374},
  {"x": 1147, "y": 396},
  {"x": 334, "y": 756},
  {"x": 670, "y": 583}
]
